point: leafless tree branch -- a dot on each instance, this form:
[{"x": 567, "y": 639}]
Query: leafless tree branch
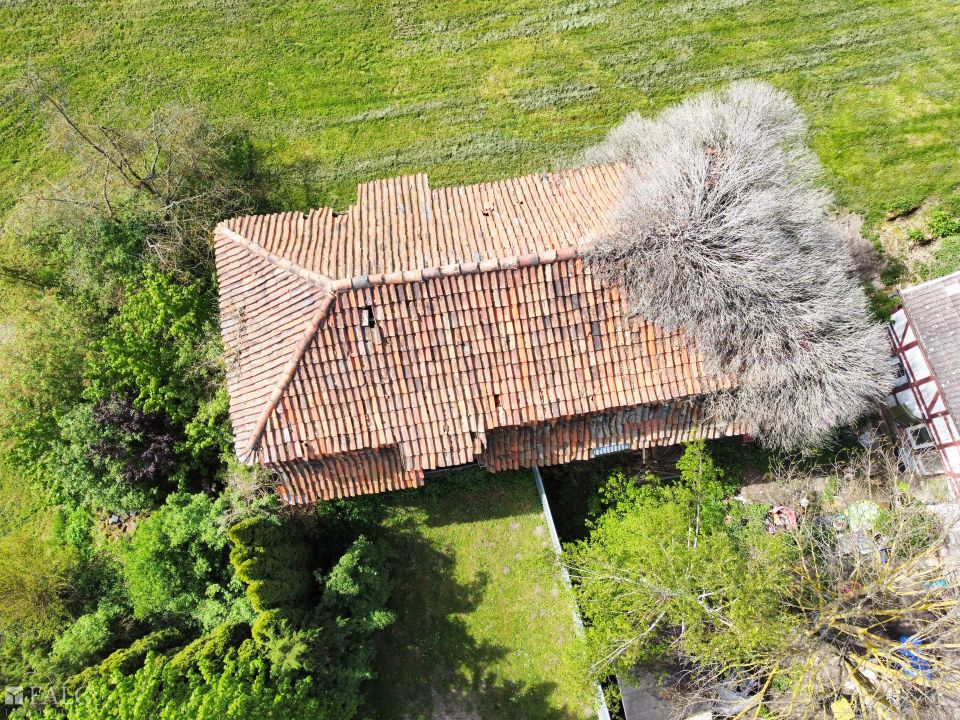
[{"x": 724, "y": 231}]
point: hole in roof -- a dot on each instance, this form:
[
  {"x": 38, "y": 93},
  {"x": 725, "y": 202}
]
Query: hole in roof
[
  {"x": 496, "y": 401},
  {"x": 366, "y": 316}
]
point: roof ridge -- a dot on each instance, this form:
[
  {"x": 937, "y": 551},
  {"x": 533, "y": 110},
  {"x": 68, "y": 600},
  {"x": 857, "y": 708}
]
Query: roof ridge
[
  {"x": 401, "y": 277},
  {"x": 320, "y": 281}
]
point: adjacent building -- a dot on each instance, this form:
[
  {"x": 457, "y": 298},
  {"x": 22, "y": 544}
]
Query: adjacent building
[
  {"x": 425, "y": 329},
  {"x": 925, "y": 332}
]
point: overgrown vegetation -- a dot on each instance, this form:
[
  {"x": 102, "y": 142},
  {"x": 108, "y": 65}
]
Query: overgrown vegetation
[
  {"x": 122, "y": 508},
  {"x": 725, "y": 233},
  {"x": 115, "y": 494},
  {"x": 846, "y": 602}
]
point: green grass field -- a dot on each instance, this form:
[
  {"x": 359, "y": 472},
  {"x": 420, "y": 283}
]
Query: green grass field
[
  {"x": 485, "y": 628},
  {"x": 339, "y": 91}
]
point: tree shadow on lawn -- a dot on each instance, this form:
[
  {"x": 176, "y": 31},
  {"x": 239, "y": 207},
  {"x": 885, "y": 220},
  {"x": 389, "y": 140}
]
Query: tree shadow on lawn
[
  {"x": 479, "y": 496},
  {"x": 429, "y": 665}
]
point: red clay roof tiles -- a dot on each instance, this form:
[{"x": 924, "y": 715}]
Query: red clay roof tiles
[{"x": 428, "y": 328}]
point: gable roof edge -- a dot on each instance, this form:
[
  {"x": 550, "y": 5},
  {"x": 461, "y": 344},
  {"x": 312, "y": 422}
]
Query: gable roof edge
[{"x": 309, "y": 334}]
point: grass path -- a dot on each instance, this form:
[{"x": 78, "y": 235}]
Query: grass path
[
  {"x": 484, "y": 629},
  {"x": 338, "y": 91}
]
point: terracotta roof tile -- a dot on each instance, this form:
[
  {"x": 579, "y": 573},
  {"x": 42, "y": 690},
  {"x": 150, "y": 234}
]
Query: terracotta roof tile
[{"x": 432, "y": 328}]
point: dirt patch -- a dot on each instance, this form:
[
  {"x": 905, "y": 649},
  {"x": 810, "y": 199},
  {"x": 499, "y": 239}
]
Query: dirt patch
[{"x": 895, "y": 239}]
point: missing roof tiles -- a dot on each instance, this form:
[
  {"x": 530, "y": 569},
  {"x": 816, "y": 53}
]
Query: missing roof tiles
[{"x": 367, "y": 319}]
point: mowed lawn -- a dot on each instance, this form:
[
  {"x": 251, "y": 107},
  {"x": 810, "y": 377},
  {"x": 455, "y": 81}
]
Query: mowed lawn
[
  {"x": 485, "y": 627},
  {"x": 338, "y": 91}
]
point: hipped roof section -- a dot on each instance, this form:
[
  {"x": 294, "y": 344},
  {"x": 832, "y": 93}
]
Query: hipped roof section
[{"x": 421, "y": 319}]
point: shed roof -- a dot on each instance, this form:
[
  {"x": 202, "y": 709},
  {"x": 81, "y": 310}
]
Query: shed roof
[
  {"x": 934, "y": 309},
  {"x": 426, "y": 328}
]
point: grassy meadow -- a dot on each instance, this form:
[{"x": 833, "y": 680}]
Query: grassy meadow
[
  {"x": 484, "y": 625},
  {"x": 339, "y": 91}
]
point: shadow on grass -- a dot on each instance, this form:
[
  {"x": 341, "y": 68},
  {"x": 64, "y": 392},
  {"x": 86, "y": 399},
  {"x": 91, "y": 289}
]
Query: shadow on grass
[
  {"x": 430, "y": 667},
  {"x": 479, "y": 495}
]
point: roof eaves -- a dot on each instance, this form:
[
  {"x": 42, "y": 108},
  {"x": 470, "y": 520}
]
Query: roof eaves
[{"x": 911, "y": 289}]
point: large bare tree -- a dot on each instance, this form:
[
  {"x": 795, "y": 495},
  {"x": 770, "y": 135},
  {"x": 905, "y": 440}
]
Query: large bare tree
[
  {"x": 724, "y": 230},
  {"x": 176, "y": 166}
]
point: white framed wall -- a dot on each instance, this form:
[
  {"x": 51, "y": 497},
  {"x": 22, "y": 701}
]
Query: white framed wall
[{"x": 918, "y": 392}]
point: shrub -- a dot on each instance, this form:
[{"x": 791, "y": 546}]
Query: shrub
[
  {"x": 724, "y": 232},
  {"x": 916, "y": 236},
  {"x": 276, "y": 561},
  {"x": 244, "y": 688},
  {"x": 174, "y": 559},
  {"x": 125, "y": 661},
  {"x": 158, "y": 348},
  {"x": 80, "y": 476},
  {"x": 86, "y": 263},
  {"x": 904, "y": 206},
  {"x": 942, "y": 223},
  {"x": 141, "y": 443},
  {"x": 356, "y": 590},
  {"x": 208, "y": 650},
  {"x": 84, "y": 642}
]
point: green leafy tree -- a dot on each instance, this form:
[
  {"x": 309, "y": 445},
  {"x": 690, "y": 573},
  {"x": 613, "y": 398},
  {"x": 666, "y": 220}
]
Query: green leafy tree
[
  {"x": 175, "y": 565},
  {"x": 671, "y": 568},
  {"x": 43, "y": 346},
  {"x": 160, "y": 347}
]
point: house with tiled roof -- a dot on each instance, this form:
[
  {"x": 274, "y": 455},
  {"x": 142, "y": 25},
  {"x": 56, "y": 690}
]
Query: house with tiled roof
[
  {"x": 925, "y": 332},
  {"x": 431, "y": 328}
]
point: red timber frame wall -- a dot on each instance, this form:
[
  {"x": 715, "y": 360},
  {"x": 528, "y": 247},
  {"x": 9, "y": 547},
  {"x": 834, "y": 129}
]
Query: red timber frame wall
[{"x": 918, "y": 391}]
